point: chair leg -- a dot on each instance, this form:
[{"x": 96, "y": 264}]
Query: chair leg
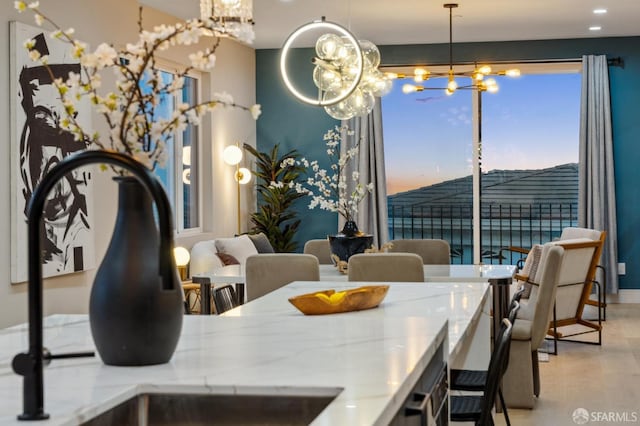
[
  {"x": 536, "y": 373},
  {"x": 602, "y": 301},
  {"x": 504, "y": 407}
]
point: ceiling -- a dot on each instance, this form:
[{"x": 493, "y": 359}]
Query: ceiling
[{"x": 426, "y": 21}]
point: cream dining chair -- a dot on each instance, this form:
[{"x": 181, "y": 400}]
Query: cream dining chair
[
  {"x": 268, "y": 272},
  {"x": 522, "y": 379},
  {"x": 319, "y": 248},
  {"x": 432, "y": 251},
  {"x": 386, "y": 267}
]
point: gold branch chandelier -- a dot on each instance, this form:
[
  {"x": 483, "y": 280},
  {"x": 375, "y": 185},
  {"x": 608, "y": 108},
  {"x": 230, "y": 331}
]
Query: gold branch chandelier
[{"x": 478, "y": 75}]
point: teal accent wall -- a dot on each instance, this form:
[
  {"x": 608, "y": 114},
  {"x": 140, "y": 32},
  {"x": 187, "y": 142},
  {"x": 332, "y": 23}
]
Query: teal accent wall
[{"x": 295, "y": 125}]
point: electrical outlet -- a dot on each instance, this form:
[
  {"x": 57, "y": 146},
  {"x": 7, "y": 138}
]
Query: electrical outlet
[{"x": 622, "y": 268}]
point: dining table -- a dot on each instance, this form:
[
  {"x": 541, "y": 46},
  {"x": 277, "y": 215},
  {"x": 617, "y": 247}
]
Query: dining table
[{"x": 500, "y": 278}]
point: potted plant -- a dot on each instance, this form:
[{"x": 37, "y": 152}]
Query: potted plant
[{"x": 277, "y": 177}]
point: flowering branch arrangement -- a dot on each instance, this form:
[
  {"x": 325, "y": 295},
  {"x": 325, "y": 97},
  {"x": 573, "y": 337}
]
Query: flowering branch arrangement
[
  {"x": 133, "y": 111},
  {"x": 330, "y": 191}
]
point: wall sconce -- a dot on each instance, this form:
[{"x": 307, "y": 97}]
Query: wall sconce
[
  {"x": 182, "y": 257},
  {"x": 186, "y": 161},
  {"x": 232, "y": 155}
]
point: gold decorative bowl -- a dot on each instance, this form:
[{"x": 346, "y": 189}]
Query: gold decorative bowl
[{"x": 332, "y": 302}]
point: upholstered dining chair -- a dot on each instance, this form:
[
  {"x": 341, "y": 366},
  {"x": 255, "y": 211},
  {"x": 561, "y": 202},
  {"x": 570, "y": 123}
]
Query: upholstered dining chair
[
  {"x": 432, "y": 251},
  {"x": 268, "y": 272},
  {"x": 522, "y": 378},
  {"x": 386, "y": 267},
  {"x": 320, "y": 249}
]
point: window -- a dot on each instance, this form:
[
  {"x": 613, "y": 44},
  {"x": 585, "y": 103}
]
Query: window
[
  {"x": 180, "y": 174},
  {"x": 526, "y": 161}
]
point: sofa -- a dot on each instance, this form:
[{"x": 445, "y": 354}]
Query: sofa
[{"x": 209, "y": 255}]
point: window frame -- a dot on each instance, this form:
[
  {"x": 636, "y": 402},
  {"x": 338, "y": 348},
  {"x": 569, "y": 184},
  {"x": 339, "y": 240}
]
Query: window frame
[{"x": 177, "y": 201}]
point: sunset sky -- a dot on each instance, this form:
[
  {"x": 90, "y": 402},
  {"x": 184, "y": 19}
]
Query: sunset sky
[{"x": 532, "y": 122}]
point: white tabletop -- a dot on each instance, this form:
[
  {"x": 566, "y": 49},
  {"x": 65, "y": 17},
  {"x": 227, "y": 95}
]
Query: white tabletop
[
  {"x": 229, "y": 274},
  {"x": 440, "y": 273},
  {"x": 435, "y": 273}
]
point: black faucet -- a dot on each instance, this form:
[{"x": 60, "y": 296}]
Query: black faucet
[{"x": 30, "y": 364}]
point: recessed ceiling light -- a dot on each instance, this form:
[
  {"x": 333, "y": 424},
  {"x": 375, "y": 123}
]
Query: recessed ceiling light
[
  {"x": 595, "y": 28},
  {"x": 599, "y": 11}
]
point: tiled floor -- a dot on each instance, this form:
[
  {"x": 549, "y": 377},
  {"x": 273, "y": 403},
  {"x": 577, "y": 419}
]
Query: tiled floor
[{"x": 604, "y": 380}]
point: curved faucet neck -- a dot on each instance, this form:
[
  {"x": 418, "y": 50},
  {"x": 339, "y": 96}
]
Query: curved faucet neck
[{"x": 30, "y": 364}]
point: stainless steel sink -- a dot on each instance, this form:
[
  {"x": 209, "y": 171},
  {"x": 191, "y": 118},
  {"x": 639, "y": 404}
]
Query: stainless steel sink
[{"x": 217, "y": 409}]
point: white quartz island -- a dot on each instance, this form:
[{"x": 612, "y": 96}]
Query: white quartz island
[{"x": 370, "y": 359}]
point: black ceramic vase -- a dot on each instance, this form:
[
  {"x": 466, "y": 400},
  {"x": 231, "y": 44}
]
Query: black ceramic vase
[
  {"x": 350, "y": 229},
  {"x": 134, "y": 320},
  {"x": 349, "y": 241}
]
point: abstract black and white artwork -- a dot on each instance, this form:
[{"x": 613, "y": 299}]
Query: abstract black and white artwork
[{"x": 38, "y": 144}]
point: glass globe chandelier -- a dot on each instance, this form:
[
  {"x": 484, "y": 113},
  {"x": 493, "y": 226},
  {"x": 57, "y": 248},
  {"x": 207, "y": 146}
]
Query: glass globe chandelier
[
  {"x": 229, "y": 16},
  {"x": 346, "y": 71},
  {"x": 477, "y": 75}
]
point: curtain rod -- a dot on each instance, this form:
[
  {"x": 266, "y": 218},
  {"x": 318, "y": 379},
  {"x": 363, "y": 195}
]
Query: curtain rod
[{"x": 614, "y": 62}]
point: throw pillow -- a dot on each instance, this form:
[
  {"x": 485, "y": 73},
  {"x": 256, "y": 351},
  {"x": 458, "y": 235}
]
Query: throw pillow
[
  {"x": 530, "y": 268},
  {"x": 203, "y": 258},
  {"x": 262, "y": 243},
  {"x": 239, "y": 247},
  {"x": 227, "y": 259}
]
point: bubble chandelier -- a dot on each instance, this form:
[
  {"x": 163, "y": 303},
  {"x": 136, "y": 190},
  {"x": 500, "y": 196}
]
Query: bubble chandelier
[{"x": 346, "y": 71}]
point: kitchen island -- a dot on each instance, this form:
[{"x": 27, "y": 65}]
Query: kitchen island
[{"x": 370, "y": 360}]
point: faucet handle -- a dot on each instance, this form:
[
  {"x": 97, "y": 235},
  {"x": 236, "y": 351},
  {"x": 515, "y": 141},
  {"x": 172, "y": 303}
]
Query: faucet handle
[
  {"x": 48, "y": 356},
  {"x": 23, "y": 364}
]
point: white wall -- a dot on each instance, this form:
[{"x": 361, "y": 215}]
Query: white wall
[{"x": 115, "y": 21}]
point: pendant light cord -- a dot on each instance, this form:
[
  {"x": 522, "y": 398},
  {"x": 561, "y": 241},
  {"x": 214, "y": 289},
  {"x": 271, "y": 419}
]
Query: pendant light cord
[{"x": 450, "y": 37}]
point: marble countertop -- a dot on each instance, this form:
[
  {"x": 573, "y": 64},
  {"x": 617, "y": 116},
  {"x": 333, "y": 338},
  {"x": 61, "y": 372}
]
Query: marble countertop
[
  {"x": 268, "y": 354},
  {"x": 458, "y": 302}
]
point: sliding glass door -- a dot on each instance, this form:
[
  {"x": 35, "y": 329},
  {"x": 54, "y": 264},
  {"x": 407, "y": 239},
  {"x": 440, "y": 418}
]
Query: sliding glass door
[
  {"x": 529, "y": 161},
  {"x": 428, "y": 159},
  {"x": 484, "y": 171}
]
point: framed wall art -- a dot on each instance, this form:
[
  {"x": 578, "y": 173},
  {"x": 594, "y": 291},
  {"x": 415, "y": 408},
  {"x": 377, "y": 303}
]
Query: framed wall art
[{"x": 37, "y": 144}]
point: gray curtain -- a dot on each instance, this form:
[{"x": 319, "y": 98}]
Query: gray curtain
[
  {"x": 372, "y": 212},
  {"x": 597, "y": 193}
]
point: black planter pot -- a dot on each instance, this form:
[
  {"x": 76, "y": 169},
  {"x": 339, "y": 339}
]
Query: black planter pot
[
  {"x": 349, "y": 241},
  {"x": 134, "y": 320},
  {"x": 344, "y": 247}
]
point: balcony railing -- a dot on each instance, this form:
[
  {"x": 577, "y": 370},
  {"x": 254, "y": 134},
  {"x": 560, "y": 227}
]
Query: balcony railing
[{"x": 502, "y": 225}]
